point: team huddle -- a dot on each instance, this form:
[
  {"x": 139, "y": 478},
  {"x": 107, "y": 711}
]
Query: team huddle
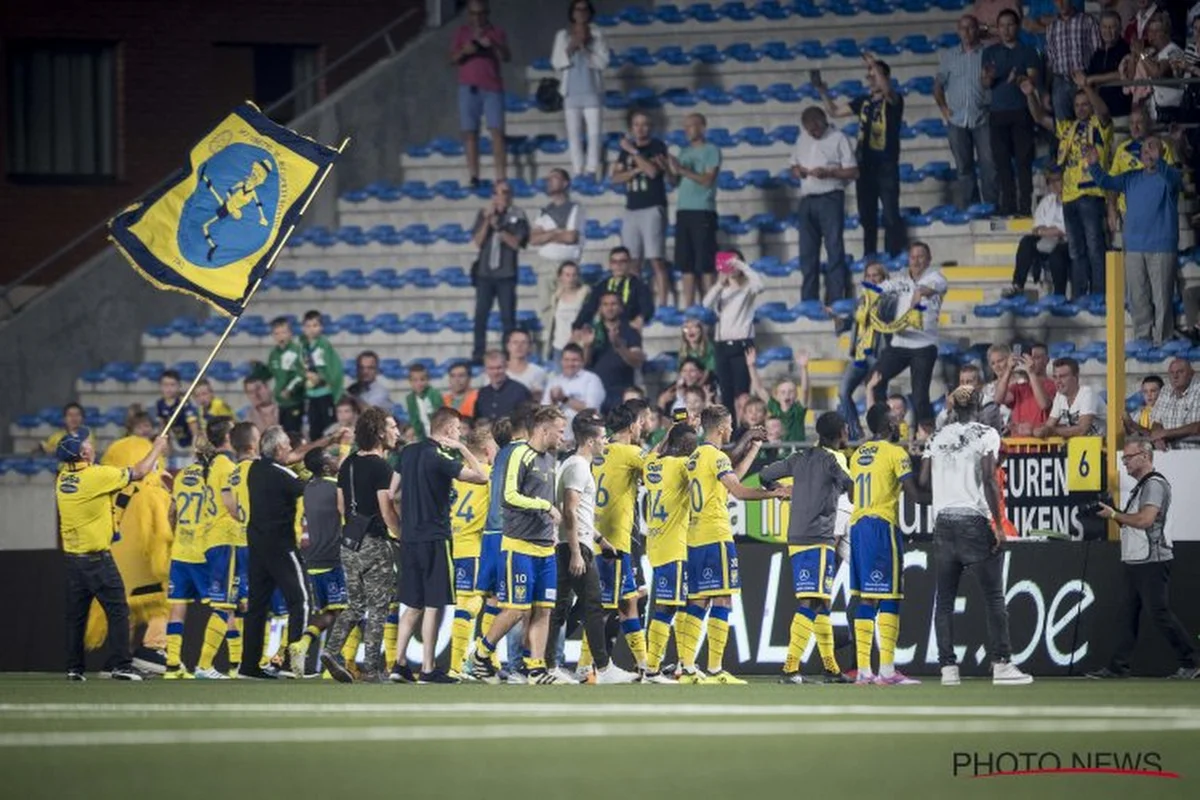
[{"x": 528, "y": 547}]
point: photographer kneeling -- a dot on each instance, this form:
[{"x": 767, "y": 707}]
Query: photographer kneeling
[{"x": 1146, "y": 553}]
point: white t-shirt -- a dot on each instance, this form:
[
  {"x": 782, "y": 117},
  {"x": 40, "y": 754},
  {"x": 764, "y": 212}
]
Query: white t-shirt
[
  {"x": 1168, "y": 96},
  {"x": 576, "y": 473},
  {"x": 1049, "y": 213},
  {"x": 584, "y": 385},
  {"x": 831, "y": 150},
  {"x": 957, "y": 453},
  {"x": 533, "y": 378},
  {"x": 905, "y": 287},
  {"x": 1064, "y": 412}
]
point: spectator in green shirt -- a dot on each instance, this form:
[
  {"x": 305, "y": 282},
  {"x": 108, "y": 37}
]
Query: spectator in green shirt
[
  {"x": 694, "y": 343},
  {"x": 786, "y": 402},
  {"x": 286, "y": 364},
  {"x": 323, "y": 375},
  {"x": 421, "y": 402},
  {"x": 695, "y": 171}
]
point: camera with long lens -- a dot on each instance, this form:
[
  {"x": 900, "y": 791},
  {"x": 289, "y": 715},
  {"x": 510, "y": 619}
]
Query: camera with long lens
[{"x": 1092, "y": 507}]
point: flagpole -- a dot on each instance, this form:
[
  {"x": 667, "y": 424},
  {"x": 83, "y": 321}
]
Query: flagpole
[{"x": 233, "y": 321}]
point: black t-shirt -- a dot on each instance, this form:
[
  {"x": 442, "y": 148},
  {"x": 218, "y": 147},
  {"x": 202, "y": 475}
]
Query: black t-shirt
[
  {"x": 427, "y": 473},
  {"x": 642, "y": 191},
  {"x": 879, "y": 126},
  {"x": 371, "y": 475},
  {"x": 324, "y": 524},
  {"x": 273, "y": 490},
  {"x": 1103, "y": 62}
]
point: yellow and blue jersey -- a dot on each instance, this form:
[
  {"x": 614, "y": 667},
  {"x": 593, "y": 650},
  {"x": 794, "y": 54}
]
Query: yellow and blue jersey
[
  {"x": 1127, "y": 157},
  {"x": 468, "y": 517},
  {"x": 878, "y": 469},
  {"x": 709, "y": 497},
  {"x": 668, "y": 509},
  {"x": 194, "y": 510},
  {"x": 1073, "y": 136},
  {"x": 222, "y": 527},
  {"x": 237, "y": 485},
  {"x": 617, "y": 471}
]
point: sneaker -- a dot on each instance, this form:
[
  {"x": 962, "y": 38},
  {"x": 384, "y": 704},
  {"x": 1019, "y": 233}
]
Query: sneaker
[
  {"x": 897, "y": 678},
  {"x": 1011, "y": 291},
  {"x": 256, "y": 675},
  {"x": 537, "y": 677},
  {"x": 297, "y": 655},
  {"x": 1005, "y": 673},
  {"x": 835, "y": 677},
  {"x": 76, "y": 676},
  {"x": 660, "y": 678},
  {"x": 125, "y": 674},
  {"x": 483, "y": 669},
  {"x": 516, "y": 677},
  {"x": 613, "y": 675},
  {"x": 863, "y": 678},
  {"x": 152, "y": 661},
  {"x": 210, "y": 674},
  {"x": 950, "y": 675},
  {"x": 401, "y": 674},
  {"x": 585, "y": 675},
  {"x": 725, "y": 678},
  {"x": 177, "y": 674},
  {"x": 278, "y": 672},
  {"x": 1185, "y": 674},
  {"x": 437, "y": 676},
  {"x": 1104, "y": 673},
  {"x": 564, "y": 677},
  {"x": 337, "y": 670},
  {"x": 692, "y": 676},
  {"x": 792, "y": 678}
]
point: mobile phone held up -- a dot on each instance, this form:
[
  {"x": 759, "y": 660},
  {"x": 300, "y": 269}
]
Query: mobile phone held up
[{"x": 814, "y": 77}]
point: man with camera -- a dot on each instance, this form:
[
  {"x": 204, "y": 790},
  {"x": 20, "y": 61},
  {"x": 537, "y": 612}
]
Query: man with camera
[
  {"x": 501, "y": 231},
  {"x": 1146, "y": 553}
]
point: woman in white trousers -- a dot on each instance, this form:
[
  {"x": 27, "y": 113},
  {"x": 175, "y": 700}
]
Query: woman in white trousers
[{"x": 580, "y": 56}]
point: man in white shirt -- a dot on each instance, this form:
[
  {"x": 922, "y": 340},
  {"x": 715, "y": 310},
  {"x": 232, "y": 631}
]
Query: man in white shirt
[
  {"x": 960, "y": 465},
  {"x": 576, "y": 551},
  {"x": 557, "y": 233},
  {"x": 1077, "y": 410},
  {"x": 1045, "y": 246},
  {"x": 919, "y": 294},
  {"x": 531, "y": 376},
  {"x": 575, "y": 389},
  {"x": 1165, "y": 100},
  {"x": 824, "y": 161}
]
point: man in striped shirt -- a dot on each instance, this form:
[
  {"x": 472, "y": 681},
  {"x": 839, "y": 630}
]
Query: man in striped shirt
[
  {"x": 1070, "y": 42},
  {"x": 958, "y": 90}
]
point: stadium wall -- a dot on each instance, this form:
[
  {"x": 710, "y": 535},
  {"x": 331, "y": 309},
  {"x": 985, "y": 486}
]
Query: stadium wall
[{"x": 1063, "y": 601}]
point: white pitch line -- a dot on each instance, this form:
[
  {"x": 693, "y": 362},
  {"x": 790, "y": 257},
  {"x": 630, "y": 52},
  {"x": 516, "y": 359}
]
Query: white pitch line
[
  {"x": 425, "y": 733},
  {"x": 627, "y": 710}
]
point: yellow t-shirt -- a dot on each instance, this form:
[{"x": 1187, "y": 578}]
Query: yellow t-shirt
[
  {"x": 1128, "y": 156},
  {"x": 470, "y": 513},
  {"x": 1143, "y": 418},
  {"x": 237, "y": 486},
  {"x": 217, "y": 408},
  {"x": 877, "y": 468},
  {"x": 129, "y": 450},
  {"x": 709, "y": 497},
  {"x": 194, "y": 509},
  {"x": 617, "y": 471},
  {"x": 1072, "y": 136},
  {"x": 668, "y": 509},
  {"x": 223, "y": 529},
  {"x": 84, "y": 496}
]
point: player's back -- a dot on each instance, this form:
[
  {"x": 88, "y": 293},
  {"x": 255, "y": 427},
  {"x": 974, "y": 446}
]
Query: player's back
[
  {"x": 192, "y": 515},
  {"x": 708, "y": 496},
  {"x": 469, "y": 515},
  {"x": 669, "y": 509},
  {"x": 495, "y": 506},
  {"x": 878, "y": 469},
  {"x": 617, "y": 471},
  {"x": 239, "y": 485}
]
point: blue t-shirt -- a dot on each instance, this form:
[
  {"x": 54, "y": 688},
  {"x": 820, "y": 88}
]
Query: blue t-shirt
[
  {"x": 1018, "y": 59},
  {"x": 181, "y": 431},
  {"x": 692, "y": 196}
]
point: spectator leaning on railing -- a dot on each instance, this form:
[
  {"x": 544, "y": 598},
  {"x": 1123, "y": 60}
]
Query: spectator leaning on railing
[
  {"x": 1175, "y": 418},
  {"x": 1077, "y": 410}
]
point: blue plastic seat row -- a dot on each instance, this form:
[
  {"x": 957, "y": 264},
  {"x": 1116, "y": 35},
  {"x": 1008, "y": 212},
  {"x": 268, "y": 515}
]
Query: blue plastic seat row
[
  {"x": 28, "y": 465},
  {"x": 739, "y": 11}
]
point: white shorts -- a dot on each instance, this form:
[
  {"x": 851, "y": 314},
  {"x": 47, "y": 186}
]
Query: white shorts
[{"x": 644, "y": 232}]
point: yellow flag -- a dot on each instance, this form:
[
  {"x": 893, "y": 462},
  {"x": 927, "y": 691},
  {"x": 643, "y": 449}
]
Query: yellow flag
[{"x": 210, "y": 231}]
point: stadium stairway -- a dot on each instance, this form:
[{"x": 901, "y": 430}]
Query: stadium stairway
[{"x": 393, "y": 277}]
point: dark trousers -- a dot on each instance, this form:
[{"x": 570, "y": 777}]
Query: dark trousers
[
  {"x": 292, "y": 419},
  {"x": 961, "y": 542},
  {"x": 1148, "y": 586},
  {"x": 854, "y": 376},
  {"x": 822, "y": 218},
  {"x": 587, "y": 588},
  {"x": 733, "y": 376},
  {"x": 487, "y": 291},
  {"x": 879, "y": 185},
  {"x": 920, "y": 361},
  {"x": 1030, "y": 262},
  {"x": 1012, "y": 151},
  {"x": 272, "y": 567},
  {"x": 95, "y": 576},
  {"x": 320, "y": 416},
  {"x": 1086, "y": 238}
]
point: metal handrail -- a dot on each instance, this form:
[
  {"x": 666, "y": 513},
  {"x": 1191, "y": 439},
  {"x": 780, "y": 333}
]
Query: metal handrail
[{"x": 385, "y": 34}]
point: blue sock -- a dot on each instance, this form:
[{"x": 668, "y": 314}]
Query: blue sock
[
  {"x": 665, "y": 615},
  {"x": 721, "y": 613}
]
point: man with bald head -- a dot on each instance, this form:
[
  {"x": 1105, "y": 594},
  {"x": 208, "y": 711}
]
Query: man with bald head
[
  {"x": 1175, "y": 418},
  {"x": 959, "y": 92}
]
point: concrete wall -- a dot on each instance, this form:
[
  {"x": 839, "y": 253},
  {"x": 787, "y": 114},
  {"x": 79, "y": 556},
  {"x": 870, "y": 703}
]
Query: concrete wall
[{"x": 97, "y": 314}]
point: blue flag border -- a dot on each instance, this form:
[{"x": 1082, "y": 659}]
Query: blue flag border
[{"x": 163, "y": 276}]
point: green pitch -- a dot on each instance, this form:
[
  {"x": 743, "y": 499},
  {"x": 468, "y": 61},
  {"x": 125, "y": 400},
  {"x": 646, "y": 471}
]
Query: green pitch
[{"x": 239, "y": 739}]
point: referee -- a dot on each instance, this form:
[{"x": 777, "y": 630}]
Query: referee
[
  {"x": 271, "y": 535},
  {"x": 83, "y": 492}
]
